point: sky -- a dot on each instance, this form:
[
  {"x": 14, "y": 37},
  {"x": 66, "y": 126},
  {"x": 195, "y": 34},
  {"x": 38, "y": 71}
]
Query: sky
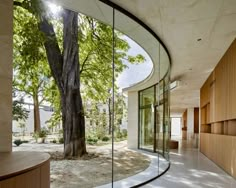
[{"x": 135, "y": 73}]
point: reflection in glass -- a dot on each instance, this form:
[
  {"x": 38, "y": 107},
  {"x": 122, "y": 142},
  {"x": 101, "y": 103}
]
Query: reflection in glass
[
  {"x": 159, "y": 129},
  {"x": 146, "y": 128},
  {"x": 147, "y": 97},
  {"x": 154, "y": 122}
]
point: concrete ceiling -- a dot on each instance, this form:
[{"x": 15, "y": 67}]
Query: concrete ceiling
[{"x": 179, "y": 24}]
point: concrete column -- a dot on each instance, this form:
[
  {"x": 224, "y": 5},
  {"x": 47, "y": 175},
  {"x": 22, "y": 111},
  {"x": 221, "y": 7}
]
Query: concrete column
[
  {"x": 133, "y": 120},
  {"x": 190, "y": 123},
  {"x": 6, "y": 49}
]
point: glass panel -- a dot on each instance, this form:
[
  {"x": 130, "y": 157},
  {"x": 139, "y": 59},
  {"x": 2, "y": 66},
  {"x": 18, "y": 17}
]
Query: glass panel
[
  {"x": 159, "y": 93},
  {"x": 159, "y": 129},
  {"x": 167, "y": 128},
  {"x": 147, "y": 97},
  {"x": 146, "y": 128}
]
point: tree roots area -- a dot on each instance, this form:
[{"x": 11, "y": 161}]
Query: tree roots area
[{"x": 93, "y": 169}]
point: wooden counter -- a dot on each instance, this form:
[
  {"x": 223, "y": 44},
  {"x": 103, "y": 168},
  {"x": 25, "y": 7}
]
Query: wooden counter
[{"x": 24, "y": 170}]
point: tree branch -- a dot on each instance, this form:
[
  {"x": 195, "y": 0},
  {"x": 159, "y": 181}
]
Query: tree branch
[{"x": 85, "y": 60}]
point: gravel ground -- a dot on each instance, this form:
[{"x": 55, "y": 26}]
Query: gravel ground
[{"x": 93, "y": 169}]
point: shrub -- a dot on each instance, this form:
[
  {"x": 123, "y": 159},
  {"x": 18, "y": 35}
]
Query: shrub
[
  {"x": 92, "y": 140},
  {"x": 105, "y": 138},
  {"x": 18, "y": 142},
  {"x": 36, "y": 136},
  {"x": 25, "y": 141},
  {"x": 53, "y": 141},
  {"x": 119, "y": 135},
  {"x": 61, "y": 140},
  {"x": 124, "y": 132},
  {"x": 43, "y": 133}
]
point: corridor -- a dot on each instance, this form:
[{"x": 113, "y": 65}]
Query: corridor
[{"x": 191, "y": 169}]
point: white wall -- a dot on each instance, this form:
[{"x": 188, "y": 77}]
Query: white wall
[
  {"x": 29, "y": 123},
  {"x": 133, "y": 120},
  {"x": 190, "y": 123},
  {"x": 176, "y": 126}
]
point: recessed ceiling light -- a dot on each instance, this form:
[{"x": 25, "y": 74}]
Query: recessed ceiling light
[{"x": 199, "y": 39}]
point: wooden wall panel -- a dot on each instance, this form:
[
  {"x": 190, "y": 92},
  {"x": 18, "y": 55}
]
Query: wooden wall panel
[
  {"x": 205, "y": 128},
  {"x": 232, "y": 127},
  {"x": 212, "y": 98},
  {"x": 205, "y": 91},
  {"x": 232, "y": 82},
  {"x": 221, "y": 149},
  {"x": 219, "y": 93},
  {"x": 233, "y": 171},
  {"x": 219, "y": 90},
  {"x": 218, "y": 108},
  {"x": 208, "y": 113},
  {"x": 203, "y": 115},
  {"x": 225, "y": 128},
  {"x": 196, "y": 120},
  {"x": 217, "y": 128},
  {"x": 185, "y": 119},
  {"x": 203, "y": 143}
]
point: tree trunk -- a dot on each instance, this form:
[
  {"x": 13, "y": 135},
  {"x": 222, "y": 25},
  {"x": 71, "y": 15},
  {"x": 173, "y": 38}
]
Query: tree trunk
[
  {"x": 72, "y": 107},
  {"x": 65, "y": 70},
  {"x": 37, "y": 125}
]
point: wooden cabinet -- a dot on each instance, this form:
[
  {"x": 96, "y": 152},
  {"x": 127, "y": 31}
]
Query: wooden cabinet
[
  {"x": 24, "y": 170},
  {"x": 231, "y": 63},
  {"x": 218, "y": 93},
  {"x": 217, "y": 128},
  {"x": 220, "y": 149},
  {"x": 218, "y": 113},
  {"x": 231, "y": 129}
]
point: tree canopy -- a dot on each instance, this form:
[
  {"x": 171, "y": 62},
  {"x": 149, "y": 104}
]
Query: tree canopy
[{"x": 76, "y": 51}]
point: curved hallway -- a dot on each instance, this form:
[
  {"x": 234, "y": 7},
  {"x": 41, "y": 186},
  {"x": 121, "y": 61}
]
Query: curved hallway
[{"x": 191, "y": 169}]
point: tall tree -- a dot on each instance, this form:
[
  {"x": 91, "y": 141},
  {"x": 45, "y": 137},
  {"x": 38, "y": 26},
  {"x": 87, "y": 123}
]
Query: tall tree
[
  {"x": 31, "y": 70},
  {"x": 93, "y": 69}
]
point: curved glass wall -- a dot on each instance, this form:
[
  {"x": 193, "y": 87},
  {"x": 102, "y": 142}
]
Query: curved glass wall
[
  {"x": 154, "y": 118},
  {"x": 109, "y": 159}
]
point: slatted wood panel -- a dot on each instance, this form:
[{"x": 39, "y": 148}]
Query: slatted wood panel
[
  {"x": 217, "y": 128},
  {"x": 221, "y": 149},
  {"x": 208, "y": 113},
  {"x": 231, "y": 82},
  {"x": 232, "y": 127},
  {"x": 184, "y": 132},
  {"x": 205, "y": 92},
  {"x": 212, "y": 100},
  {"x": 225, "y": 128},
  {"x": 203, "y": 115},
  {"x": 206, "y": 128},
  {"x": 219, "y": 91}
]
